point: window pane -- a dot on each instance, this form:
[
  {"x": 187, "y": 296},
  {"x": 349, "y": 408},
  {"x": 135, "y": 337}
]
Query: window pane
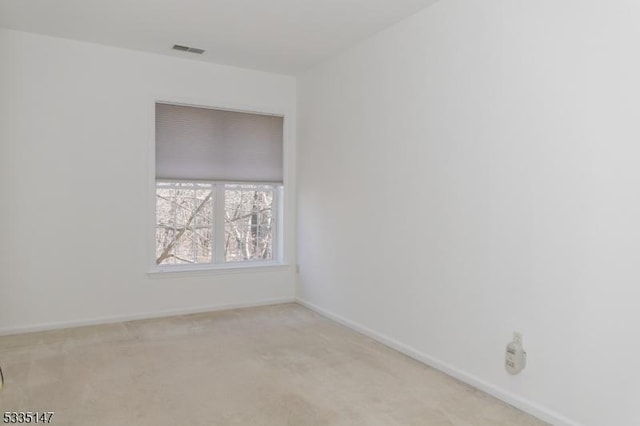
[
  {"x": 184, "y": 228},
  {"x": 249, "y": 222}
]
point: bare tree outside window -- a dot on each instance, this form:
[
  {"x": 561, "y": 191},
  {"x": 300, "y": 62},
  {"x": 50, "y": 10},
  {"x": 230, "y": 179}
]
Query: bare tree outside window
[
  {"x": 248, "y": 222},
  {"x": 184, "y": 223},
  {"x": 186, "y": 226}
]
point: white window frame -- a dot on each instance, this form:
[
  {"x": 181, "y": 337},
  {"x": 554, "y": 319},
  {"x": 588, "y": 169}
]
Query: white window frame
[
  {"x": 218, "y": 214},
  {"x": 282, "y": 202}
]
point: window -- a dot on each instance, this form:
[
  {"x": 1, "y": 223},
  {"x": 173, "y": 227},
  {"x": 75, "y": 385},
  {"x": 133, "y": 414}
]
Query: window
[
  {"x": 184, "y": 223},
  {"x": 218, "y": 187}
]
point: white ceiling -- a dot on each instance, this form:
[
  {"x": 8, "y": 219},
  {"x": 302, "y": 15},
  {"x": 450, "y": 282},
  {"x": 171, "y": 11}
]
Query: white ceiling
[{"x": 286, "y": 36}]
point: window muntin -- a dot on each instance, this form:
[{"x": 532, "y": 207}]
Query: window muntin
[{"x": 215, "y": 223}]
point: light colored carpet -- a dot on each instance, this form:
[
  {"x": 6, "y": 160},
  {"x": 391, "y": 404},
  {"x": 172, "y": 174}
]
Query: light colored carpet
[{"x": 275, "y": 365}]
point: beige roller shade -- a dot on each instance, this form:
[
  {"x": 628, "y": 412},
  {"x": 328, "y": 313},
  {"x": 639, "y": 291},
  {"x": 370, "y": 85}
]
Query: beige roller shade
[{"x": 195, "y": 143}]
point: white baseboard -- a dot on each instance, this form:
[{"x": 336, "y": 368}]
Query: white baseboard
[
  {"x": 523, "y": 404},
  {"x": 148, "y": 315}
]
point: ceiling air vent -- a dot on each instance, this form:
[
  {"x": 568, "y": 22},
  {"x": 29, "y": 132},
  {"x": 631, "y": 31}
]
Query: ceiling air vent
[{"x": 188, "y": 49}]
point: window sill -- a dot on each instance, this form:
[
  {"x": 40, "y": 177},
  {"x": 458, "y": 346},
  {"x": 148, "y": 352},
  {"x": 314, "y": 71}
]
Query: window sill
[{"x": 242, "y": 268}]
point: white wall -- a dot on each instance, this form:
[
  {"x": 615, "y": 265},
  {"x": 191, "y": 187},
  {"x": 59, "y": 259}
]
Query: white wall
[
  {"x": 76, "y": 154},
  {"x": 475, "y": 170}
]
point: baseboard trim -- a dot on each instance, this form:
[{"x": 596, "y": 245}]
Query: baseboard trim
[
  {"x": 148, "y": 315},
  {"x": 510, "y": 398}
]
